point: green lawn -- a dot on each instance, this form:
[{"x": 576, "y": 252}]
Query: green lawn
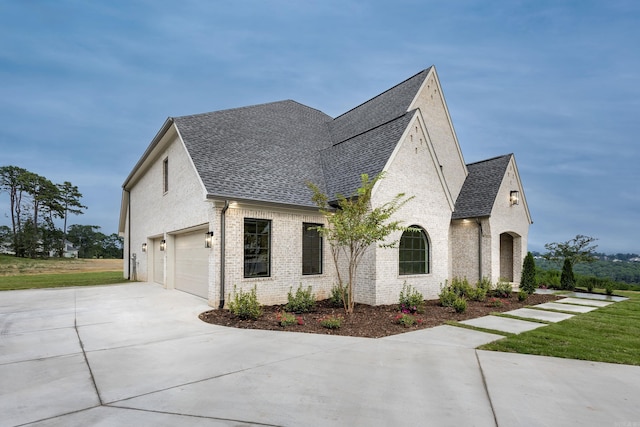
[
  {"x": 60, "y": 280},
  {"x": 608, "y": 334}
]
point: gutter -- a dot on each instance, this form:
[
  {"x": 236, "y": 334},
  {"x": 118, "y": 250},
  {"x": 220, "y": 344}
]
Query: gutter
[
  {"x": 128, "y": 233},
  {"x": 479, "y": 222},
  {"x": 222, "y": 252}
]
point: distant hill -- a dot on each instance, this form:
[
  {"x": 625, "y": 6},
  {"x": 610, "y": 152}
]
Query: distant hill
[{"x": 618, "y": 267}]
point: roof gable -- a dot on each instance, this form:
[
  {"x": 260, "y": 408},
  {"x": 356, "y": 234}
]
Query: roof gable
[
  {"x": 264, "y": 152},
  {"x": 383, "y": 108},
  {"x": 480, "y": 188}
]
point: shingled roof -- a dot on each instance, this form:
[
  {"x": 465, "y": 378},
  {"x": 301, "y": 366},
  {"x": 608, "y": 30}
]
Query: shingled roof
[
  {"x": 269, "y": 152},
  {"x": 480, "y": 188}
]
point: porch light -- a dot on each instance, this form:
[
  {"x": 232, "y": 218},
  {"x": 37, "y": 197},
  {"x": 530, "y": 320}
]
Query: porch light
[
  {"x": 163, "y": 244},
  {"x": 208, "y": 239},
  {"x": 144, "y": 247},
  {"x": 514, "y": 197}
]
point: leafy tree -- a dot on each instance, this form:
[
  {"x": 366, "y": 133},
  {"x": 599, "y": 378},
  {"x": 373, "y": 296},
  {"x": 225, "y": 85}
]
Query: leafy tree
[
  {"x": 12, "y": 182},
  {"x": 69, "y": 198},
  {"x": 354, "y": 226},
  {"x": 577, "y": 250},
  {"x": 528, "y": 277},
  {"x": 567, "y": 279}
]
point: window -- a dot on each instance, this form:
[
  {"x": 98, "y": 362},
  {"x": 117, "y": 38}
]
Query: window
[
  {"x": 257, "y": 247},
  {"x": 414, "y": 252},
  {"x": 165, "y": 175},
  {"x": 311, "y": 249}
]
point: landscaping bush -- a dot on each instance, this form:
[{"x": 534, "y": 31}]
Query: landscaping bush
[
  {"x": 502, "y": 290},
  {"x": 302, "y": 302},
  {"x": 567, "y": 279},
  {"x": 406, "y": 320},
  {"x": 338, "y": 294},
  {"x": 331, "y": 322},
  {"x": 410, "y": 300},
  {"x": 523, "y": 295},
  {"x": 460, "y": 287},
  {"x": 286, "y": 319},
  {"x": 447, "y": 296},
  {"x": 245, "y": 305},
  {"x": 477, "y": 294},
  {"x": 460, "y": 305},
  {"x": 528, "y": 276},
  {"x": 485, "y": 284}
]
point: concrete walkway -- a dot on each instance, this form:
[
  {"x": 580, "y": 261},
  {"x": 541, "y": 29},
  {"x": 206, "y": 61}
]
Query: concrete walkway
[{"x": 137, "y": 354}]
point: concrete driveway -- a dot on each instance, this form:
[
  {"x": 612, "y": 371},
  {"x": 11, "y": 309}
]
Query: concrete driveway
[{"x": 136, "y": 354}]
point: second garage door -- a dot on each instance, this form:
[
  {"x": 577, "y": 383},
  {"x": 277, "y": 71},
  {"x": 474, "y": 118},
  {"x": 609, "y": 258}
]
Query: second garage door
[{"x": 192, "y": 264}]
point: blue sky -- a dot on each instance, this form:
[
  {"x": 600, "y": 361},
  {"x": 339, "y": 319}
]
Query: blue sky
[{"x": 85, "y": 86}]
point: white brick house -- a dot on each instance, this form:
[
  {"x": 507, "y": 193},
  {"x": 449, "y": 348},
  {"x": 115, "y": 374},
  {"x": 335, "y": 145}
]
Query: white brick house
[{"x": 235, "y": 182}]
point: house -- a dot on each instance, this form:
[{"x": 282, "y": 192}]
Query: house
[
  {"x": 220, "y": 199},
  {"x": 68, "y": 251}
]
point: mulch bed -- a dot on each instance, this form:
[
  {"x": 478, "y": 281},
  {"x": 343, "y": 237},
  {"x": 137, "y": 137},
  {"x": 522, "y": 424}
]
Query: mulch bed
[{"x": 370, "y": 321}]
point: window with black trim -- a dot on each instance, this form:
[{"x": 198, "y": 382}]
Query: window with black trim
[
  {"x": 414, "y": 252},
  {"x": 311, "y": 249},
  {"x": 165, "y": 175},
  {"x": 257, "y": 247}
]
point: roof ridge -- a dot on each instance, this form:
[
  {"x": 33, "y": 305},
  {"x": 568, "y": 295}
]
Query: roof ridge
[
  {"x": 492, "y": 158},
  {"x": 248, "y": 107},
  {"x": 382, "y": 93},
  {"x": 373, "y": 128}
]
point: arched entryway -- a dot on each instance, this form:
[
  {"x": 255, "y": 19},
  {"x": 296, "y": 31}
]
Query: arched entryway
[{"x": 506, "y": 257}]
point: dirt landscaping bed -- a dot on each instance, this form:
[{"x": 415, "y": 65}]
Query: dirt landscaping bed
[{"x": 370, "y": 321}]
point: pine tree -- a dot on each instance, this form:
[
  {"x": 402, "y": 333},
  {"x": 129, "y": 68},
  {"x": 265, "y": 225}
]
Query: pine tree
[
  {"x": 528, "y": 277},
  {"x": 567, "y": 280}
]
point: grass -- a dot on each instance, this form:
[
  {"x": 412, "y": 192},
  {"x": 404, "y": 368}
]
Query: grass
[
  {"x": 608, "y": 334},
  {"x": 58, "y": 280},
  {"x": 26, "y": 273}
]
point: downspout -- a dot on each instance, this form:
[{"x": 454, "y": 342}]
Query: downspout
[
  {"x": 128, "y": 233},
  {"x": 222, "y": 252},
  {"x": 479, "y": 222}
]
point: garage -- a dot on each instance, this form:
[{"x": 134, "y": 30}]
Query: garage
[{"x": 192, "y": 263}]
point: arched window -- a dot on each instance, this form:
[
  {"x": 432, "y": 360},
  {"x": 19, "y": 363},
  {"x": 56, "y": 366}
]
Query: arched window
[{"x": 414, "y": 252}]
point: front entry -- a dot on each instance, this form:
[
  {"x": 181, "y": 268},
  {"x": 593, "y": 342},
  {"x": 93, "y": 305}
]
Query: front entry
[{"x": 506, "y": 257}]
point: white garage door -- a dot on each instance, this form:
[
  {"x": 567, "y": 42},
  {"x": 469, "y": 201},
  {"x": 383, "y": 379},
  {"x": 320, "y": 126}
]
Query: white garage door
[
  {"x": 192, "y": 264},
  {"x": 158, "y": 262}
]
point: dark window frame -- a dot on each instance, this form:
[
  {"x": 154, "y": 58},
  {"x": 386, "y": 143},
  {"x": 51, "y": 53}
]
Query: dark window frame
[
  {"x": 257, "y": 248},
  {"x": 165, "y": 175},
  {"x": 312, "y": 250},
  {"x": 414, "y": 253}
]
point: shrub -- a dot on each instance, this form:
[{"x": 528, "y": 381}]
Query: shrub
[
  {"x": 608, "y": 287},
  {"x": 502, "y": 290},
  {"x": 461, "y": 287},
  {"x": 338, "y": 294},
  {"x": 485, "y": 284},
  {"x": 567, "y": 279},
  {"x": 528, "y": 276},
  {"x": 411, "y": 301},
  {"x": 460, "y": 305},
  {"x": 245, "y": 305},
  {"x": 447, "y": 296},
  {"x": 477, "y": 294},
  {"x": 331, "y": 322},
  {"x": 495, "y": 302},
  {"x": 406, "y": 320},
  {"x": 523, "y": 295},
  {"x": 302, "y": 302},
  {"x": 286, "y": 319}
]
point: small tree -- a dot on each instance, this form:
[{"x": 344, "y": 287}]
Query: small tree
[
  {"x": 576, "y": 250},
  {"x": 528, "y": 277},
  {"x": 567, "y": 280},
  {"x": 354, "y": 226}
]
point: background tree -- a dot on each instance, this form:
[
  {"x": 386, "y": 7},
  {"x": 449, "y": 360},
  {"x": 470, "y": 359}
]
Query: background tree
[
  {"x": 354, "y": 226},
  {"x": 528, "y": 277},
  {"x": 567, "y": 279},
  {"x": 12, "y": 182},
  {"x": 577, "y": 250},
  {"x": 69, "y": 198}
]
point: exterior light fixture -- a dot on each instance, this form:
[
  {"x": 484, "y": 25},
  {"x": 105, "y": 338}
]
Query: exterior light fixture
[
  {"x": 208, "y": 239},
  {"x": 163, "y": 244},
  {"x": 144, "y": 247},
  {"x": 514, "y": 197}
]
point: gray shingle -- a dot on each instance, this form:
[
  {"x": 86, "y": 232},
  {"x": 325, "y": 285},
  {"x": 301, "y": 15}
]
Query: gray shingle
[
  {"x": 387, "y": 106},
  {"x": 264, "y": 152},
  {"x": 480, "y": 188}
]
